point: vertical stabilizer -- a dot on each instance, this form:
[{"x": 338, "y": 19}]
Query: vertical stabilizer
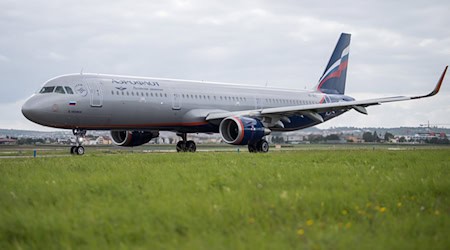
[{"x": 333, "y": 78}]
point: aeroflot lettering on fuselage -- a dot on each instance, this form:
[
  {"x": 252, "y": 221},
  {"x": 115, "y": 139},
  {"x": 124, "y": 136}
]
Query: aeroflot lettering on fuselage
[{"x": 127, "y": 82}]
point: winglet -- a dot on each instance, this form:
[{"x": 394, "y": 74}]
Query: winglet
[
  {"x": 439, "y": 84},
  {"x": 437, "y": 88}
]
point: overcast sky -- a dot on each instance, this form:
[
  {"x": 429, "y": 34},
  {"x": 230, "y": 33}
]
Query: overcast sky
[{"x": 397, "y": 48}]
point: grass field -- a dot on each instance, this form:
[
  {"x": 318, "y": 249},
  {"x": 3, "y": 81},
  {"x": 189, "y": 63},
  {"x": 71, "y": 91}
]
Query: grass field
[{"x": 316, "y": 199}]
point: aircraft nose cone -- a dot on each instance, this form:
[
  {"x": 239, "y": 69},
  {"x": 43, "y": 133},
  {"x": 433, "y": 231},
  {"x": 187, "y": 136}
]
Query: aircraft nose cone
[{"x": 29, "y": 110}]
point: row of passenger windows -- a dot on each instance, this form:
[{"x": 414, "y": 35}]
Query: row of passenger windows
[
  {"x": 208, "y": 97},
  {"x": 138, "y": 93},
  {"x": 57, "y": 89},
  {"x": 68, "y": 90}
]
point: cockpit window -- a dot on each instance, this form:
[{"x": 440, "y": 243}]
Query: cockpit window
[
  {"x": 68, "y": 90},
  {"x": 47, "y": 90},
  {"x": 60, "y": 90}
]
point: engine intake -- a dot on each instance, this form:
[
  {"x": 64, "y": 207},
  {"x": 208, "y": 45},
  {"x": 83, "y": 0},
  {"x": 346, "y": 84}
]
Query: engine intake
[
  {"x": 242, "y": 130},
  {"x": 125, "y": 138}
]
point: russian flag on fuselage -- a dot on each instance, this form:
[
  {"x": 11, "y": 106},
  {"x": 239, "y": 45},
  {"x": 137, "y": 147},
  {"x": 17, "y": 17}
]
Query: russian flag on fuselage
[{"x": 335, "y": 74}]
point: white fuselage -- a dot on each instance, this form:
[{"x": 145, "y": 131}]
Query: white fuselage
[{"x": 109, "y": 102}]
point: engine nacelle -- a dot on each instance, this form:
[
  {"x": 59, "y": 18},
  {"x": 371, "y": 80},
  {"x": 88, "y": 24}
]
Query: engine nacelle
[
  {"x": 132, "y": 138},
  {"x": 242, "y": 130}
]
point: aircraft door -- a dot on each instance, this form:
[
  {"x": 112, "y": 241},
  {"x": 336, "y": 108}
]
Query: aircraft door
[
  {"x": 258, "y": 103},
  {"x": 176, "y": 101},
  {"x": 96, "y": 94}
]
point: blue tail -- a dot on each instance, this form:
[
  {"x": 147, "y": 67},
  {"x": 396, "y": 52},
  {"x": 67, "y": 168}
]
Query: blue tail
[{"x": 333, "y": 78}]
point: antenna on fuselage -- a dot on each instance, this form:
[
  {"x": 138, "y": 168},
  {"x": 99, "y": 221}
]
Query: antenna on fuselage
[{"x": 81, "y": 72}]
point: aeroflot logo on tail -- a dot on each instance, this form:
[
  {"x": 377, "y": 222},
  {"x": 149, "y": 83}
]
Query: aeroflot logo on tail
[{"x": 127, "y": 82}]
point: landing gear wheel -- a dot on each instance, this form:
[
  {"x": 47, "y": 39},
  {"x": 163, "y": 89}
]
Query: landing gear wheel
[
  {"x": 252, "y": 148},
  {"x": 80, "y": 150},
  {"x": 190, "y": 146},
  {"x": 262, "y": 146},
  {"x": 184, "y": 145},
  {"x": 181, "y": 146}
]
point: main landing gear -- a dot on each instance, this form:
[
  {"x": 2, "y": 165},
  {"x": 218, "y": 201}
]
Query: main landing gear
[
  {"x": 261, "y": 146},
  {"x": 185, "y": 145},
  {"x": 78, "y": 149}
]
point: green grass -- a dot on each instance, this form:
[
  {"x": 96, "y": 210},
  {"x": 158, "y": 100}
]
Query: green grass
[{"x": 318, "y": 199}]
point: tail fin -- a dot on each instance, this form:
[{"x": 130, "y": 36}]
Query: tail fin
[{"x": 333, "y": 78}]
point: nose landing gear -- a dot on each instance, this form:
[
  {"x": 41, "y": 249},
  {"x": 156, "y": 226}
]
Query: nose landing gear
[{"x": 78, "y": 148}]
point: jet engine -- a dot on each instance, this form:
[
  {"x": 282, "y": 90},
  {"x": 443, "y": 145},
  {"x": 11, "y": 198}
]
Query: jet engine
[
  {"x": 132, "y": 138},
  {"x": 242, "y": 130}
]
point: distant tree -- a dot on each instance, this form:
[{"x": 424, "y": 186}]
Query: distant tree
[
  {"x": 332, "y": 137},
  {"x": 433, "y": 140},
  {"x": 402, "y": 139},
  {"x": 315, "y": 138},
  {"x": 375, "y": 137},
  {"x": 367, "y": 137},
  {"x": 388, "y": 136}
]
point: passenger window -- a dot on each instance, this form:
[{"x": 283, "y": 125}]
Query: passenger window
[
  {"x": 68, "y": 90},
  {"x": 47, "y": 90},
  {"x": 60, "y": 90},
  {"x": 112, "y": 92}
]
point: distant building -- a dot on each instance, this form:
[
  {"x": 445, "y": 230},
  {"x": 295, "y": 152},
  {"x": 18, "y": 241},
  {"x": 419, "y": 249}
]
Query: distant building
[
  {"x": 103, "y": 140},
  {"x": 7, "y": 141},
  {"x": 353, "y": 139}
]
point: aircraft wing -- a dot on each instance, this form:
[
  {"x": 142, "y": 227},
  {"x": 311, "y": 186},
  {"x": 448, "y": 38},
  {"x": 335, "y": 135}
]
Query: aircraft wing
[{"x": 313, "y": 110}]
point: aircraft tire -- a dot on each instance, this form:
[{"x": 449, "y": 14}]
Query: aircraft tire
[
  {"x": 190, "y": 146},
  {"x": 80, "y": 150},
  {"x": 73, "y": 149},
  {"x": 252, "y": 148},
  {"x": 181, "y": 146},
  {"x": 262, "y": 146}
]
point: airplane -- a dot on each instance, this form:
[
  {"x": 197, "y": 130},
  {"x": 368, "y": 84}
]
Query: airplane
[{"x": 135, "y": 109}]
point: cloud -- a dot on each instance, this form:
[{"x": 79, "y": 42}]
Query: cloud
[
  {"x": 4, "y": 58},
  {"x": 56, "y": 57}
]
